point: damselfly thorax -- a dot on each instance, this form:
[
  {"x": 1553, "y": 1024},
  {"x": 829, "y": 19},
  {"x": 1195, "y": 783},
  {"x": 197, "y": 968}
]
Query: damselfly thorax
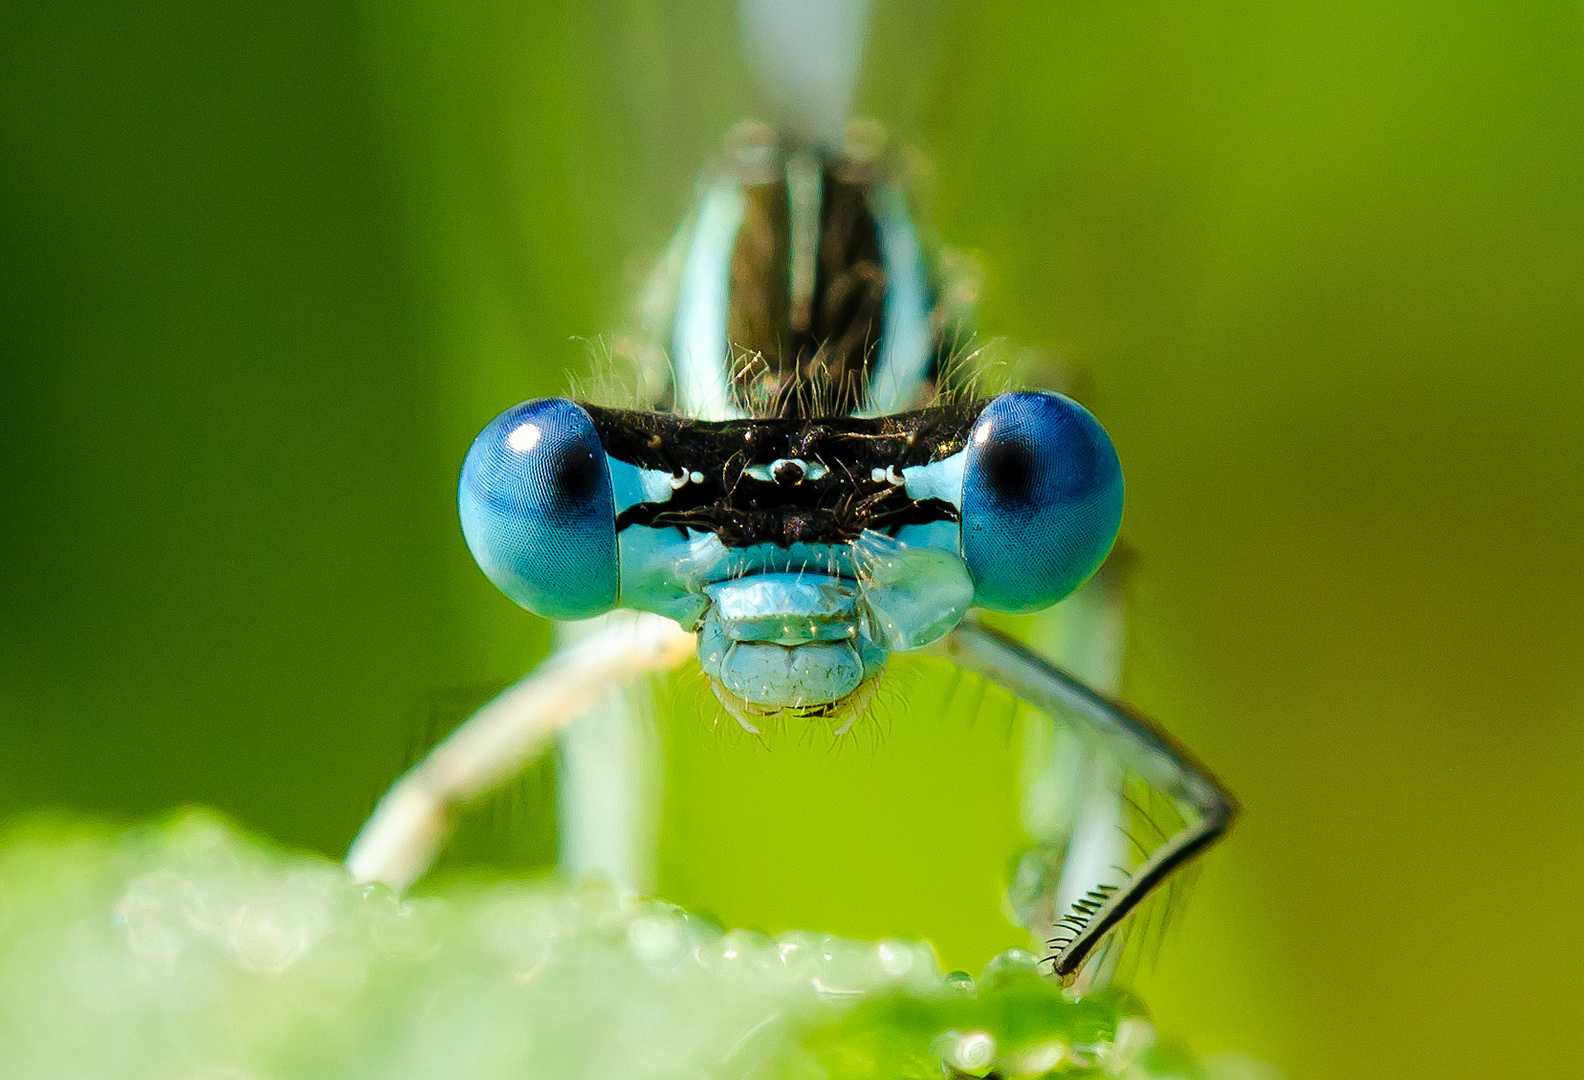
[{"x": 829, "y": 306}]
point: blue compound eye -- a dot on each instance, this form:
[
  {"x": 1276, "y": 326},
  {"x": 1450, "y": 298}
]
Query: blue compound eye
[
  {"x": 537, "y": 510},
  {"x": 1042, "y": 500}
]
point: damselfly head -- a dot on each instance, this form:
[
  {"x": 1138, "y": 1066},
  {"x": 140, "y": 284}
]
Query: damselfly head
[{"x": 802, "y": 551}]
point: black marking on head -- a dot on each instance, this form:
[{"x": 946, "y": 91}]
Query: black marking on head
[{"x": 835, "y": 508}]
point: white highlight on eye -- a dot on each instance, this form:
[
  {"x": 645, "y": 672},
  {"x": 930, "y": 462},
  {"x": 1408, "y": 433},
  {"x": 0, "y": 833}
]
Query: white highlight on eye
[
  {"x": 524, "y": 437},
  {"x": 981, "y": 434}
]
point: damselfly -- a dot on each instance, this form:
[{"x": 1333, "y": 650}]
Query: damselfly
[{"x": 813, "y": 485}]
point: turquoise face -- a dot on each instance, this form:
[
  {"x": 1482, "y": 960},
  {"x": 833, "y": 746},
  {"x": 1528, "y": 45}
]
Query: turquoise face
[{"x": 805, "y": 558}]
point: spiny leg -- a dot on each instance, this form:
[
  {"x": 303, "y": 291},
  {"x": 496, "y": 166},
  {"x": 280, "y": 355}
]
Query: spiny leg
[
  {"x": 1154, "y": 755},
  {"x": 401, "y": 839}
]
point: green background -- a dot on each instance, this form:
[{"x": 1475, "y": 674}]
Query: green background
[{"x": 265, "y": 269}]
